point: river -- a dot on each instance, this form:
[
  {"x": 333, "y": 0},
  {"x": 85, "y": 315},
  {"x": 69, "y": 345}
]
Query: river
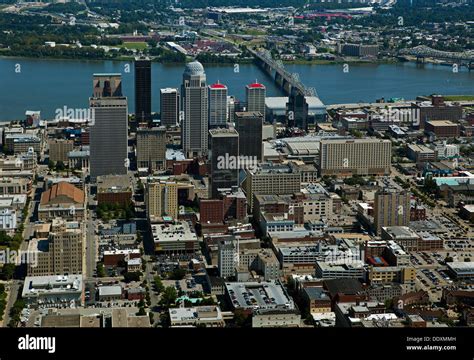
[{"x": 47, "y": 85}]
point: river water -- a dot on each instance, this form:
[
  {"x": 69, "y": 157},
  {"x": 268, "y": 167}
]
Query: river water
[{"x": 47, "y": 85}]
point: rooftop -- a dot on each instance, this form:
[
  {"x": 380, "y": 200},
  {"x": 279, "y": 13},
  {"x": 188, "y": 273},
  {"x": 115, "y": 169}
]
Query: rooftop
[
  {"x": 63, "y": 189},
  {"x": 259, "y": 295}
]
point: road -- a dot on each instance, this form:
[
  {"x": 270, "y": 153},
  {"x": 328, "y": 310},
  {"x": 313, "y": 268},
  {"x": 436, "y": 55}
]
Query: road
[
  {"x": 154, "y": 297},
  {"x": 91, "y": 246},
  {"x": 15, "y": 286},
  {"x": 28, "y": 233}
]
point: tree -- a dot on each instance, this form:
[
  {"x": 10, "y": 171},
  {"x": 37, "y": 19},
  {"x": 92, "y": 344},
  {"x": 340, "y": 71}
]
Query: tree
[
  {"x": 132, "y": 276},
  {"x": 7, "y": 271},
  {"x": 100, "y": 270},
  {"x": 178, "y": 274},
  {"x": 141, "y": 311},
  {"x": 51, "y": 165},
  {"x": 60, "y": 166},
  {"x": 165, "y": 320},
  {"x": 169, "y": 296},
  {"x": 159, "y": 287}
]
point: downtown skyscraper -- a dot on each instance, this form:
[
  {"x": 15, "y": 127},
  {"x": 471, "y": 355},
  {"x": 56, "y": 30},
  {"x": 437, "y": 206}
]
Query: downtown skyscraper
[
  {"x": 217, "y": 105},
  {"x": 223, "y": 158},
  {"x": 255, "y": 96},
  {"x": 194, "y": 136},
  {"x": 142, "y": 89},
  {"x": 169, "y": 106},
  {"x": 109, "y": 127}
]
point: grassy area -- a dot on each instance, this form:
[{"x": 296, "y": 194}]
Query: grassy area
[
  {"x": 459, "y": 97},
  {"x": 135, "y": 45}
]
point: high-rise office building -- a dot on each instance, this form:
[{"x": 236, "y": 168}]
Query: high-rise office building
[
  {"x": 161, "y": 199},
  {"x": 355, "y": 156},
  {"x": 224, "y": 160},
  {"x": 226, "y": 258},
  {"x": 195, "y": 106},
  {"x": 59, "y": 149},
  {"x": 249, "y": 125},
  {"x": 391, "y": 207},
  {"x": 60, "y": 253},
  {"x": 109, "y": 127},
  {"x": 151, "y": 148},
  {"x": 255, "y": 95},
  {"x": 169, "y": 106},
  {"x": 142, "y": 89},
  {"x": 217, "y": 105}
]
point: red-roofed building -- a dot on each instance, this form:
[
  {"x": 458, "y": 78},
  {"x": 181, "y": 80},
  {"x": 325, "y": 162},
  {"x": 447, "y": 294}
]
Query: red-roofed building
[
  {"x": 217, "y": 105},
  {"x": 62, "y": 200},
  {"x": 255, "y": 94}
]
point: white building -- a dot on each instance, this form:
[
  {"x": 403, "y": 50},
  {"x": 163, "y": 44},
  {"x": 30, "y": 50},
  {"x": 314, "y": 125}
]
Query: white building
[
  {"x": 47, "y": 291},
  {"x": 210, "y": 316},
  {"x": 7, "y": 219},
  {"x": 195, "y": 107},
  {"x": 447, "y": 151},
  {"x": 226, "y": 259}
]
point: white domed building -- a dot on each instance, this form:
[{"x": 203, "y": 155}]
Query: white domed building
[{"x": 194, "y": 126}]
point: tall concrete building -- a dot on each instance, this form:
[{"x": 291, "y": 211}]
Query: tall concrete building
[
  {"x": 355, "y": 157},
  {"x": 391, "y": 206},
  {"x": 217, "y": 105},
  {"x": 151, "y": 148},
  {"x": 195, "y": 106},
  {"x": 224, "y": 160},
  {"x": 142, "y": 89},
  {"x": 60, "y": 253},
  {"x": 109, "y": 129},
  {"x": 169, "y": 106},
  {"x": 255, "y": 95},
  {"x": 59, "y": 149},
  {"x": 226, "y": 258},
  {"x": 249, "y": 125},
  {"x": 161, "y": 199}
]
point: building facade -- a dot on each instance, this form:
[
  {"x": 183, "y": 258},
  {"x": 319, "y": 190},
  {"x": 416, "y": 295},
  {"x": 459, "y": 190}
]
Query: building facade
[
  {"x": 151, "y": 148},
  {"x": 223, "y": 159},
  {"x": 195, "y": 106},
  {"x": 169, "y": 107},
  {"x": 142, "y": 90},
  {"x": 217, "y": 105},
  {"x": 109, "y": 129}
]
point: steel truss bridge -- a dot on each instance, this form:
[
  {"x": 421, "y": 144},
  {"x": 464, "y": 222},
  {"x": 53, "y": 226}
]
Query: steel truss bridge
[
  {"x": 290, "y": 83},
  {"x": 421, "y": 52}
]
